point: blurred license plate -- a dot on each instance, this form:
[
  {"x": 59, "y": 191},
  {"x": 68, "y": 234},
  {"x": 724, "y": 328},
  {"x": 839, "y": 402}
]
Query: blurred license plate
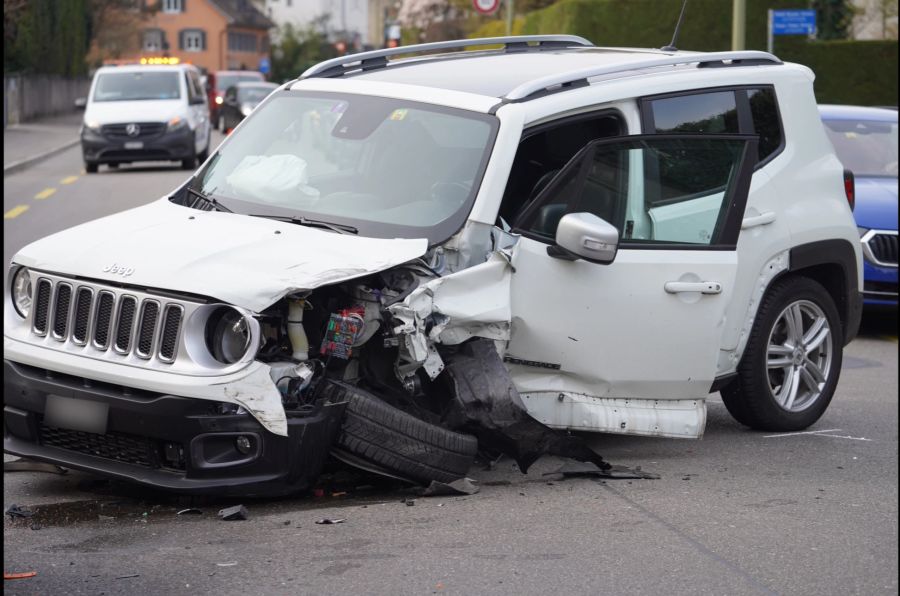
[
  {"x": 76, "y": 414},
  {"x": 134, "y": 145}
]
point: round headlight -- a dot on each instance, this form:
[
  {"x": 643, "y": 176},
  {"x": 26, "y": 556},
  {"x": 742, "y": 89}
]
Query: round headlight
[
  {"x": 22, "y": 292},
  {"x": 227, "y": 335}
]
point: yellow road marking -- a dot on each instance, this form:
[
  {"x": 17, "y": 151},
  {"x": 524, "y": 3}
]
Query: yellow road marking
[
  {"x": 47, "y": 192},
  {"x": 68, "y": 180},
  {"x": 15, "y": 211}
]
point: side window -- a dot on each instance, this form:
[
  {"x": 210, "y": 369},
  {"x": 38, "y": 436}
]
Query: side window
[
  {"x": 766, "y": 121},
  {"x": 671, "y": 191},
  {"x": 196, "y": 88},
  {"x": 742, "y": 110},
  {"x": 710, "y": 113},
  {"x": 546, "y": 149}
]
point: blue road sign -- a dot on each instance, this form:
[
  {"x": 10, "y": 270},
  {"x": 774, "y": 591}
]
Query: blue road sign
[
  {"x": 264, "y": 65},
  {"x": 793, "y": 22}
]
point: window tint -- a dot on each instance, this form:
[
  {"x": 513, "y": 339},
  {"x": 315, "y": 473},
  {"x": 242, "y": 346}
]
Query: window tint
[
  {"x": 654, "y": 191},
  {"x": 764, "y": 111},
  {"x": 713, "y": 113}
]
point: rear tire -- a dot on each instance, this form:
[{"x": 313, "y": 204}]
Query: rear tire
[
  {"x": 792, "y": 362},
  {"x": 400, "y": 442}
]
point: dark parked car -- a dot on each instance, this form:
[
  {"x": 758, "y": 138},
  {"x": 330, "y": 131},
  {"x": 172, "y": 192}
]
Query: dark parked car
[
  {"x": 865, "y": 140},
  {"x": 219, "y": 81},
  {"x": 240, "y": 100}
]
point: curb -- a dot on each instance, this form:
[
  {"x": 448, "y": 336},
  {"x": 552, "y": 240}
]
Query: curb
[{"x": 20, "y": 165}]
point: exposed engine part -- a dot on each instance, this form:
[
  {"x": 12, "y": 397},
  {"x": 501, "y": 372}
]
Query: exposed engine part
[
  {"x": 485, "y": 402},
  {"x": 295, "y": 330},
  {"x": 292, "y": 378},
  {"x": 343, "y": 332}
]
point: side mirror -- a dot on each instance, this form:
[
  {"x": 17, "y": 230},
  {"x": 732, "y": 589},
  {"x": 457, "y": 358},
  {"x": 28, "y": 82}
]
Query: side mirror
[
  {"x": 81, "y": 103},
  {"x": 587, "y": 236}
]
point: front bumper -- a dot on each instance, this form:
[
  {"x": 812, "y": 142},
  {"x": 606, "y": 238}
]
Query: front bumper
[
  {"x": 879, "y": 285},
  {"x": 165, "y": 441},
  {"x": 167, "y": 146}
]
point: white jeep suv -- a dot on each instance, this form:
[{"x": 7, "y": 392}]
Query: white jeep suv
[{"x": 401, "y": 261}]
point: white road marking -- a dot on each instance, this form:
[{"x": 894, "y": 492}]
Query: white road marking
[{"x": 806, "y": 432}]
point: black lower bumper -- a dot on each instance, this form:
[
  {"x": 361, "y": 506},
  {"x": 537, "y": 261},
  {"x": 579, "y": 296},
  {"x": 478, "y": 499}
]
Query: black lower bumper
[
  {"x": 169, "y": 442},
  {"x": 96, "y": 148}
]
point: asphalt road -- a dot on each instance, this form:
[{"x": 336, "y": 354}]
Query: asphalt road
[{"x": 738, "y": 512}]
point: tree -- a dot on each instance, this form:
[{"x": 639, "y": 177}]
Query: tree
[
  {"x": 835, "y": 18},
  {"x": 298, "y": 49}
]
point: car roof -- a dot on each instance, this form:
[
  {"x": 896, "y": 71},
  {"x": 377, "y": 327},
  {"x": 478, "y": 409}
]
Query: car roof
[
  {"x": 495, "y": 74},
  {"x": 245, "y": 84},
  {"x": 844, "y": 112},
  {"x": 238, "y": 72}
]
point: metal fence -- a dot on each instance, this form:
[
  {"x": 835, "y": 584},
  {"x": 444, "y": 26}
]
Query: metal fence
[{"x": 28, "y": 97}]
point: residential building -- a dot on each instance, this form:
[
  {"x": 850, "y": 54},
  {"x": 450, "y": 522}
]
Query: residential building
[
  {"x": 211, "y": 34},
  {"x": 357, "y": 22}
]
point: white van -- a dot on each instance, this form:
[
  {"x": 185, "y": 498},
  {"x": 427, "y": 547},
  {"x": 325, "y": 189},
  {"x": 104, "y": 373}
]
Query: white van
[{"x": 145, "y": 113}]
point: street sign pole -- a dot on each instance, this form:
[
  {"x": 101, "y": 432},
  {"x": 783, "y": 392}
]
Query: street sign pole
[
  {"x": 738, "y": 25},
  {"x": 770, "y": 37},
  {"x": 509, "y": 17}
]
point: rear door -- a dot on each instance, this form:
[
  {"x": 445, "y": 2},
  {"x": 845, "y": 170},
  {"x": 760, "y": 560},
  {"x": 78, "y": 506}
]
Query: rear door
[{"x": 648, "y": 325}]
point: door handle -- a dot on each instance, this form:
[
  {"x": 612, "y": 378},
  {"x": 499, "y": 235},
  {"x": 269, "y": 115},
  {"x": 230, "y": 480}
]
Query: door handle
[
  {"x": 762, "y": 219},
  {"x": 704, "y": 287}
]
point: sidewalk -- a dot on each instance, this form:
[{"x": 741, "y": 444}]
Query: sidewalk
[{"x": 27, "y": 143}]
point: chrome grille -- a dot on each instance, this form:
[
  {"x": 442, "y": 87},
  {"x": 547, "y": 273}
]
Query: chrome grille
[
  {"x": 145, "y": 130},
  {"x": 125, "y": 323},
  {"x": 881, "y": 247},
  {"x": 83, "y": 301},
  {"x": 147, "y": 328},
  {"x": 61, "y": 311},
  {"x": 102, "y": 317},
  {"x": 42, "y": 306},
  {"x": 104, "y": 320}
]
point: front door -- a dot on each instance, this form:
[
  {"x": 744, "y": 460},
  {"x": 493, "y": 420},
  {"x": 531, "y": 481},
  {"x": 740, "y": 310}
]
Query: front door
[{"x": 630, "y": 346}]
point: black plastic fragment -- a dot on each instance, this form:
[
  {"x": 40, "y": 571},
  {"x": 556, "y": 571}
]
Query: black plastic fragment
[
  {"x": 588, "y": 469},
  {"x": 328, "y": 521},
  {"x": 463, "y": 486},
  {"x": 14, "y": 511},
  {"x": 238, "y": 512}
]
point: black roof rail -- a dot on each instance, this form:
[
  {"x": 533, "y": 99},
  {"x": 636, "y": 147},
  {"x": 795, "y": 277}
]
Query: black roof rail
[
  {"x": 579, "y": 78},
  {"x": 338, "y": 67}
]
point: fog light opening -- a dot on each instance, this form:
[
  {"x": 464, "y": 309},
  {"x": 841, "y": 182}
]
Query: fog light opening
[{"x": 243, "y": 444}]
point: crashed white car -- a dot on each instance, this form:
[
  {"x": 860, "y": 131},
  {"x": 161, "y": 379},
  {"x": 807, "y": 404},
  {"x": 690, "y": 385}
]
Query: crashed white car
[{"x": 402, "y": 261}]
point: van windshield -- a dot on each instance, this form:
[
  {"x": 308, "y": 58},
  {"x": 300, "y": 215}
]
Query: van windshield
[
  {"x": 386, "y": 167},
  {"x": 136, "y": 86}
]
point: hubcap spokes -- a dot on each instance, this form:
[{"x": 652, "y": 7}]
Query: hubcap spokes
[{"x": 799, "y": 356}]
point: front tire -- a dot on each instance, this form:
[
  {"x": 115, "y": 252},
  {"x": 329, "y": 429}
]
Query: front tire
[
  {"x": 91, "y": 167},
  {"x": 792, "y": 361},
  {"x": 399, "y": 442}
]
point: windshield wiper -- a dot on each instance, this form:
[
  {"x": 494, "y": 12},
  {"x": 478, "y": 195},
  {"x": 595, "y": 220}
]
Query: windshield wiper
[
  {"x": 312, "y": 223},
  {"x": 216, "y": 205}
]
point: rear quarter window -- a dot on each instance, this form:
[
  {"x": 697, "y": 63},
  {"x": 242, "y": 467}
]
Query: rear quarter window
[{"x": 740, "y": 110}]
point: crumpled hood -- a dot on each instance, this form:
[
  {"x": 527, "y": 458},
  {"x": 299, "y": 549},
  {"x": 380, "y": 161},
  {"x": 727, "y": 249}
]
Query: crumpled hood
[
  {"x": 246, "y": 261},
  {"x": 876, "y": 203}
]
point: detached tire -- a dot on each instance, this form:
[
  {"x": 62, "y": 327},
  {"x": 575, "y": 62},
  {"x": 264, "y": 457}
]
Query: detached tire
[
  {"x": 792, "y": 362},
  {"x": 402, "y": 443}
]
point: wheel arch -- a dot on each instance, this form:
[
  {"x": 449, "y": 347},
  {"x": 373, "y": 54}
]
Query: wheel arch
[{"x": 831, "y": 263}]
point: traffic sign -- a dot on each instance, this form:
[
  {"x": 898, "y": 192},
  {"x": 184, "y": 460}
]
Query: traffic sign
[
  {"x": 793, "y": 22},
  {"x": 264, "y": 65},
  {"x": 486, "y": 6}
]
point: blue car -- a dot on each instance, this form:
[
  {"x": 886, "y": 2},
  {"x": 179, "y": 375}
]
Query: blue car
[{"x": 865, "y": 140}]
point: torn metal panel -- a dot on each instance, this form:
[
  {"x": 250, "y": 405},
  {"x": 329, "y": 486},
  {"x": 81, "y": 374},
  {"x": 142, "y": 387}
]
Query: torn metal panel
[
  {"x": 246, "y": 261},
  {"x": 674, "y": 418},
  {"x": 473, "y": 302}
]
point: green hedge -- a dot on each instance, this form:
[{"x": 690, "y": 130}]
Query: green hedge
[{"x": 862, "y": 73}]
